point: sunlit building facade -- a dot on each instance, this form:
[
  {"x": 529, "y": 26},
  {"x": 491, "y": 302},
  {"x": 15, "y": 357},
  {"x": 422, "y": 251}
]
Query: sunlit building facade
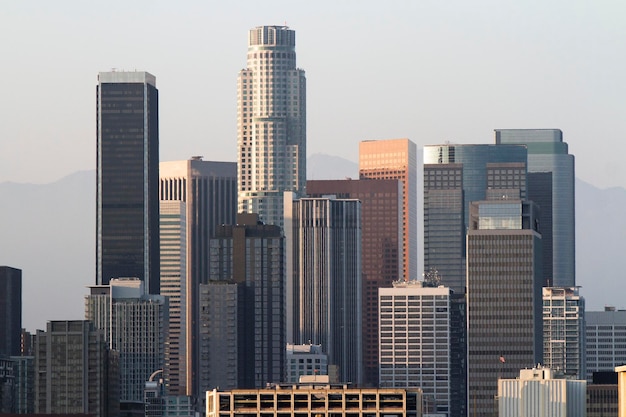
[
  {"x": 396, "y": 159},
  {"x": 271, "y": 124},
  {"x": 208, "y": 192}
]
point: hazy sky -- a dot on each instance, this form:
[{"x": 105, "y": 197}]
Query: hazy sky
[{"x": 430, "y": 70}]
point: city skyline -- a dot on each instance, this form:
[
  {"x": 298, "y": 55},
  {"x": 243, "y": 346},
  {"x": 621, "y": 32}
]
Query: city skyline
[{"x": 432, "y": 62}]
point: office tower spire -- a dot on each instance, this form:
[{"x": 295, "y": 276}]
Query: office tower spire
[
  {"x": 271, "y": 124},
  {"x": 127, "y": 201}
]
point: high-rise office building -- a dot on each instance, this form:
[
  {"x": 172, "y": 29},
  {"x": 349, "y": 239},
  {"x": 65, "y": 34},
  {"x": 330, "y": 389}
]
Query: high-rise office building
[
  {"x": 564, "y": 331},
  {"x": 127, "y": 200},
  {"x": 75, "y": 372},
  {"x": 551, "y": 185},
  {"x": 415, "y": 341},
  {"x": 323, "y": 237},
  {"x": 454, "y": 176},
  {"x": 504, "y": 313},
  {"x": 219, "y": 335},
  {"x": 271, "y": 124},
  {"x": 381, "y": 249},
  {"x": 173, "y": 241},
  {"x": 251, "y": 255},
  {"x": 135, "y": 325},
  {"x": 10, "y": 310},
  {"x": 396, "y": 159},
  {"x": 605, "y": 340},
  {"x": 209, "y": 191}
]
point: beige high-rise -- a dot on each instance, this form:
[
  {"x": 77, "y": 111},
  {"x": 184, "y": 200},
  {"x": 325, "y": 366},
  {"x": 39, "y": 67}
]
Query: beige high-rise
[
  {"x": 271, "y": 124},
  {"x": 396, "y": 159}
]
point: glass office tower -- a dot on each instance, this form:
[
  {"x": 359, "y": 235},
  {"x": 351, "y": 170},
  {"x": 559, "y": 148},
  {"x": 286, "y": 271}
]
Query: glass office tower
[
  {"x": 551, "y": 183},
  {"x": 454, "y": 176},
  {"x": 127, "y": 200}
]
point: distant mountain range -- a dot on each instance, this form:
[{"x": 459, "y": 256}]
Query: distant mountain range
[{"x": 48, "y": 231}]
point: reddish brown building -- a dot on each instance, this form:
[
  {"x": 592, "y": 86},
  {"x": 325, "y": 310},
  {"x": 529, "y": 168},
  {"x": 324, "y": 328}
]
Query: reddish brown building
[{"x": 381, "y": 248}]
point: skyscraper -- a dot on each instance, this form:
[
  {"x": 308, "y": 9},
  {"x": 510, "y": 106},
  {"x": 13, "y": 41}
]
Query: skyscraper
[
  {"x": 127, "y": 199},
  {"x": 381, "y": 249},
  {"x": 271, "y": 124},
  {"x": 10, "y": 310},
  {"x": 415, "y": 347},
  {"x": 173, "y": 230},
  {"x": 135, "y": 325},
  {"x": 324, "y": 301},
  {"x": 396, "y": 159},
  {"x": 504, "y": 313},
  {"x": 75, "y": 372},
  {"x": 551, "y": 185},
  {"x": 564, "y": 331},
  {"x": 251, "y": 255},
  {"x": 208, "y": 190},
  {"x": 454, "y": 176}
]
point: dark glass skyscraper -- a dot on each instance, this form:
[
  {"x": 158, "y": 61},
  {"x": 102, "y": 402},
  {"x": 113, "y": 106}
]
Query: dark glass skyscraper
[
  {"x": 10, "y": 310},
  {"x": 127, "y": 219}
]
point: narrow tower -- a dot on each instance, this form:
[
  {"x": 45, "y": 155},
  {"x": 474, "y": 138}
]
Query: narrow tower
[
  {"x": 271, "y": 124},
  {"x": 127, "y": 200}
]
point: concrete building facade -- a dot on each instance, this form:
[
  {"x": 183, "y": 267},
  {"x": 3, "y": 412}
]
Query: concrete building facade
[
  {"x": 564, "y": 331},
  {"x": 415, "y": 341},
  {"x": 309, "y": 400}
]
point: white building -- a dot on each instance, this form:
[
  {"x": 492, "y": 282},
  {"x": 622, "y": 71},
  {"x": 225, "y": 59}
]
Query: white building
[
  {"x": 304, "y": 360},
  {"x": 414, "y": 323},
  {"x": 564, "y": 331},
  {"x": 271, "y": 124},
  {"x": 538, "y": 393}
]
